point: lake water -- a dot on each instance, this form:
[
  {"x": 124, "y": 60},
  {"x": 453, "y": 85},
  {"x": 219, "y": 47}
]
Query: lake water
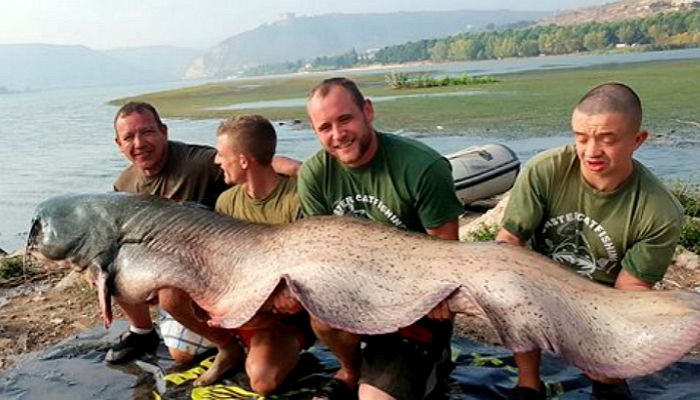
[{"x": 61, "y": 141}]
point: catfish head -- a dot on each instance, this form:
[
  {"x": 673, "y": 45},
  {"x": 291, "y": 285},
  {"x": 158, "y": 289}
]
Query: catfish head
[{"x": 81, "y": 231}]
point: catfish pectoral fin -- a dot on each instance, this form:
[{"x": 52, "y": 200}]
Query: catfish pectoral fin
[{"x": 104, "y": 295}]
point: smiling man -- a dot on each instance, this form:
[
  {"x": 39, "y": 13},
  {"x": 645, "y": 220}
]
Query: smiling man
[
  {"x": 592, "y": 207},
  {"x": 181, "y": 172},
  {"x": 395, "y": 181}
]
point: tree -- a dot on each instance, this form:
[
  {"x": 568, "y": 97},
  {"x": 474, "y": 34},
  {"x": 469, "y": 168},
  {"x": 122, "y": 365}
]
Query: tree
[
  {"x": 528, "y": 48},
  {"x": 505, "y": 47},
  {"x": 628, "y": 34},
  {"x": 439, "y": 51},
  {"x": 594, "y": 41},
  {"x": 657, "y": 34}
]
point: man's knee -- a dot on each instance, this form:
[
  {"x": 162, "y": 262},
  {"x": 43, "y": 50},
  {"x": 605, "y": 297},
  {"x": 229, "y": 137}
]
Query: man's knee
[
  {"x": 264, "y": 378},
  {"x": 369, "y": 392},
  {"x": 173, "y": 301},
  {"x": 181, "y": 357}
]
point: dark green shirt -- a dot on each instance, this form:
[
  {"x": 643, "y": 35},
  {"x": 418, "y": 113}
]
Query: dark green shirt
[
  {"x": 407, "y": 184},
  {"x": 280, "y": 207},
  {"x": 189, "y": 174},
  {"x": 635, "y": 227}
]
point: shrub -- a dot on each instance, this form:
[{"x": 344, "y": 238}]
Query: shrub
[
  {"x": 400, "y": 80},
  {"x": 688, "y": 194},
  {"x": 485, "y": 233},
  {"x": 11, "y": 267},
  {"x": 690, "y": 234}
]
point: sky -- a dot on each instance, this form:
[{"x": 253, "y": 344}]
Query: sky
[{"x": 105, "y": 24}]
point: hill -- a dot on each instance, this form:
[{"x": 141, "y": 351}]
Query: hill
[
  {"x": 619, "y": 11},
  {"x": 168, "y": 62},
  {"x": 46, "y": 66},
  {"x": 294, "y": 38}
]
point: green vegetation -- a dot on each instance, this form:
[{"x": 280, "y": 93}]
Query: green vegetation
[
  {"x": 485, "y": 233},
  {"x": 11, "y": 267},
  {"x": 399, "y": 80},
  {"x": 690, "y": 234},
  {"x": 662, "y": 31},
  {"x": 532, "y": 103},
  {"x": 688, "y": 194}
]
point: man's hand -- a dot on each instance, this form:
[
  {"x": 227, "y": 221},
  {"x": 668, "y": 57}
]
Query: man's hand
[
  {"x": 441, "y": 312},
  {"x": 504, "y": 235}
]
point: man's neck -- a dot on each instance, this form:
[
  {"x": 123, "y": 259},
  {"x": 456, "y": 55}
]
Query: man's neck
[{"x": 261, "y": 183}]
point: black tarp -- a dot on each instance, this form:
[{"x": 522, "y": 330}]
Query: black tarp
[{"x": 75, "y": 369}]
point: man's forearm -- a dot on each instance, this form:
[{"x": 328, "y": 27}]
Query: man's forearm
[{"x": 448, "y": 231}]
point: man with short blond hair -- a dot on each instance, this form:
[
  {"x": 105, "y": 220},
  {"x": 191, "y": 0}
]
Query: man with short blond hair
[
  {"x": 592, "y": 207},
  {"x": 245, "y": 147}
]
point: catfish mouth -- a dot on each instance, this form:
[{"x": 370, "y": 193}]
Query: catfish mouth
[
  {"x": 33, "y": 238},
  {"x": 33, "y": 251}
]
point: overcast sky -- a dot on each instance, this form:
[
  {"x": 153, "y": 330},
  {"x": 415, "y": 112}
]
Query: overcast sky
[{"x": 103, "y": 24}]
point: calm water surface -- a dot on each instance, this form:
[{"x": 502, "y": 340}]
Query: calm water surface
[{"x": 58, "y": 142}]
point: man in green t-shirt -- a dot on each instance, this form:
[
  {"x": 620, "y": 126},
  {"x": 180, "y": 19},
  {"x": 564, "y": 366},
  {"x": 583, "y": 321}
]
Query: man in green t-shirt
[
  {"x": 245, "y": 147},
  {"x": 395, "y": 181},
  {"x": 596, "y": 210}
]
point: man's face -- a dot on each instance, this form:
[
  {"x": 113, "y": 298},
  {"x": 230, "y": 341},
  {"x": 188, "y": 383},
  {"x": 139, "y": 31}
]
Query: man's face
[
  {"x": 229, "y": 158},
  {"x": 143, "y": 141},
  {"x": 604, "y": 145},
  {"x": 344, "y": 129}
]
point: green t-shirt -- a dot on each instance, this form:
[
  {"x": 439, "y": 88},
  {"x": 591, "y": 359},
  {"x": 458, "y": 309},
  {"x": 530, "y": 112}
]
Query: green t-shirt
[
  {"x": 407, "y": 184},
  {"x": 636, "y": 227},
  {"x": 189, "y": 174},
  {"x": 280, "y": 207}
]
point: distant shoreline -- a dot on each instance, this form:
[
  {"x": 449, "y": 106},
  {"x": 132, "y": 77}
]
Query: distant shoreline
[{"x": 536, "y": 102}]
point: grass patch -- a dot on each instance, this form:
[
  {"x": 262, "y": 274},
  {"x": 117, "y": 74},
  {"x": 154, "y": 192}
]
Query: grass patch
[
  {"x": 688, "y": 194},
  {"x": 485, "y": 233},
  {"x": 690, "y": 234},
  {"x": 400, "y": 80},
  {"x": 535, "y": 103},
  {"x": 11, "y": 267}
]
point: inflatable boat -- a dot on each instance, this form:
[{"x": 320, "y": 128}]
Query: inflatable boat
[{"x": 481, "y": 172}]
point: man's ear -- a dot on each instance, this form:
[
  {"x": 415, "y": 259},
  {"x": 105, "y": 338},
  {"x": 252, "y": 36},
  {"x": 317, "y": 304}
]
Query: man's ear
[
  {"x": 243, "y": 161},
  {"x": 368, "y": 110},
  {"x": 640, "y": 137}
]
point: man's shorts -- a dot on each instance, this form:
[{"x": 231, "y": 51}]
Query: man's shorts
[
  {"x": 176, "y": 336},
  {"x": 407, "y": 368}
]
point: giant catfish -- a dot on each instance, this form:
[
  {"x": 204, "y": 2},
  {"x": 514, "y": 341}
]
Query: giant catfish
[{"x": 362, "y": 277}]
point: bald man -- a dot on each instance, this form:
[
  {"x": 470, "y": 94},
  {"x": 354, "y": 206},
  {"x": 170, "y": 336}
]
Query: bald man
[{"x": 595, "y": 209}]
